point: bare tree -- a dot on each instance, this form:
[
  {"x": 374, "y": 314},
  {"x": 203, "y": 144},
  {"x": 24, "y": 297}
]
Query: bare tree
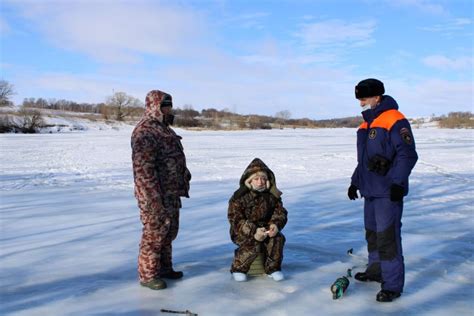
[
  {"x": 6, "y": 124},
  {"x": 189, "y": 112},
  {"x": 254, "y": 122},
  {"x": 31, "y": 120},
  {"x": 104, "y": 109},
  {"x": 122, "y": 104},
  {"x": 6, "y": 91},
  {"x": 186, "y": 117},
  {"x": 285, "y": 115},
  {"x": 282, "y": 117}
]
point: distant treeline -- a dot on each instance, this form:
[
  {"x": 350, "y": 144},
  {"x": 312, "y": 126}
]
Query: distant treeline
[
  {"x": 456, "y": 120},
  {"x": 188, "y": 116},
  {"x": 121, "y": 107},
  {"x": 63, "y": 105}
]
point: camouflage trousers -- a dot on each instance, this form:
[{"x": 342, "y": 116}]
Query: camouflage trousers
[
  {"x": 159, "y": 230},
  {"x": 272, "y": 249}
]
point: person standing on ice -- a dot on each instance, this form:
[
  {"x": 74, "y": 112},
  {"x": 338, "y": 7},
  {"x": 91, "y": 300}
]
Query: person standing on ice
[
  {"x": 161, "y": 179},
  {"x": 386, "y": 155},
  {"x": 257, "y": 216}
]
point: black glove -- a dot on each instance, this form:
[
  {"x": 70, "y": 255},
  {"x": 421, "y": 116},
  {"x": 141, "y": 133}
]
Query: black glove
[
  {"x": 396, "y": 192},
  {"x": 378, "y": 164},
  {"x": 352, "y": 192}
]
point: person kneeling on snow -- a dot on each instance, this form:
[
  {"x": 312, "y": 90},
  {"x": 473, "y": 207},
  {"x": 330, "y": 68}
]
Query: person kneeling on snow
[{"x": 256, "y": 216}]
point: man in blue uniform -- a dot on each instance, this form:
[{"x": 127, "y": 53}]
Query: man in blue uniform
[{"x": 386, "y": 155}]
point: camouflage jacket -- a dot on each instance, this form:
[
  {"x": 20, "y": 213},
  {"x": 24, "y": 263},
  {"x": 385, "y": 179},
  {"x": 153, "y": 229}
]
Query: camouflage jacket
[
  {"x": 159, "y": 163},
  {"x": 249, "y": 209}
]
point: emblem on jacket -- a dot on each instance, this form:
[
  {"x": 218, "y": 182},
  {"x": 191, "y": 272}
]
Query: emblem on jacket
[
  {"x": 406, "y": 136},
  {"x": 372, "y": 133}
]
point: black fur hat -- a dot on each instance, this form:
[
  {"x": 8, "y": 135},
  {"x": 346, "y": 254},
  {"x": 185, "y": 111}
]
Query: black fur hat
[{"x": 369, "y": 88}]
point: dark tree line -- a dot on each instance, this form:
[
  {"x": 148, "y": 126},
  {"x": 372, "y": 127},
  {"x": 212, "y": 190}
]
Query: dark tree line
[
  {"x": 120, "y": 107},
  {"x": 456, "y": 120},
  {"x": 62, "y": 105}
]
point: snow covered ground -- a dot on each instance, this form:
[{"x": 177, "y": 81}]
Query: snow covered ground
[{"x": 70, "y": 228}]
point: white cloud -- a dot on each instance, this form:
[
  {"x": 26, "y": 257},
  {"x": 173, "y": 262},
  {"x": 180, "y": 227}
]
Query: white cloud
[
  {"x": 248, "y": 20},
  {"x": 462, "y": 21},
  {"x": 88, "y": 88},
  {"x": 325, "y": 43},
  {"x": 118, "y": 31},
  {"x": 425, "y": 6},
  {"x": 280, "y": 61},
  {"x": 400, "y": 56},
  {"x": 273, "y": 53},
  {"x": 4, "y": 27},
  {"x": 446, "y": 63},
  {"x": 451, "y": 27},
  {"x": 429, "y": 96},
  {"x": 336, "y": 33},
  {"x": 70, "y": 83}
]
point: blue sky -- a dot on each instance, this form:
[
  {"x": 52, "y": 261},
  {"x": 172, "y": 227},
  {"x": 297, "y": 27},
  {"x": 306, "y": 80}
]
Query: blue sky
[{"x": 246, "y": 56}]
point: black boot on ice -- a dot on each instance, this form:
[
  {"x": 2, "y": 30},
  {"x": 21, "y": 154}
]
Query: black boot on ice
[
  {"x": 365, "y": 277},
  {"x": 387, "y": 296},
  {"x": 171, "y": 274},
  {"x": 155, "y": 284}
]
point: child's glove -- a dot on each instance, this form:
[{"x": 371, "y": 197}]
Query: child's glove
[
  {"x": 260, "y": 234},
  {"x": 273, "y": 230}
]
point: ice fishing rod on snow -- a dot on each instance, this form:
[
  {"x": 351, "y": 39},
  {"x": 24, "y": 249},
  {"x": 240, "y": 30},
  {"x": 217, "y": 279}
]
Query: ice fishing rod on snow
[
  {"x": 339, "y": 287},
  {"x": 350, "y": 253},
  {"x": 357, "y": 266},
  {"x": 186, "y": 312}
]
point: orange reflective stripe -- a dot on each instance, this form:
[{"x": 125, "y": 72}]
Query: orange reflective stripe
[
  {"x": 387, "y": 119},
  {"x": 363, "y": 125}
]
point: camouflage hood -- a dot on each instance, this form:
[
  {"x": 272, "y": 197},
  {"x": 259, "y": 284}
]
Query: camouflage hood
[
  {"x": 153, "y": 102},
  {"x": 255, "y": 166}
]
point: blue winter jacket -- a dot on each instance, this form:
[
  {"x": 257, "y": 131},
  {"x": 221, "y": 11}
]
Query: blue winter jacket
[{"x": 385, "y": 133}]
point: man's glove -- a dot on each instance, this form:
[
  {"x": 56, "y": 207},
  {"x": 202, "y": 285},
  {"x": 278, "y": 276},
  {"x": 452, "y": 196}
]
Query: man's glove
[
  {"x": 379, "y": 164},
  {"x": 352, "y": 192},
  {"x": 273, "y": 230},
  {"x": 396, "y": 192},
  {"x": 260, "y": 234}
]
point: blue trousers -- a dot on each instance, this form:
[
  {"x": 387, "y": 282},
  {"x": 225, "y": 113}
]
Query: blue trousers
[{"x": 382, "y": 219}]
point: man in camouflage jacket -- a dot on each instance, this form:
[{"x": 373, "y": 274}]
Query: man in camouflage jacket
[
  {"x": 161, "y": 178},
  {"x": 256, "y": 216}
]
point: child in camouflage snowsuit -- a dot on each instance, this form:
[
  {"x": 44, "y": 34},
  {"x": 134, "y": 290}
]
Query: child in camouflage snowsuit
[{"x": 256, "y": 216}]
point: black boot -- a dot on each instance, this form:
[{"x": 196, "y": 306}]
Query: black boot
[
  {"x": 387, "y": 296},
  {"x": 171, "y": 274},
  {"x": 155, "y": 284},
  {"x": 365, "y": 277}
]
